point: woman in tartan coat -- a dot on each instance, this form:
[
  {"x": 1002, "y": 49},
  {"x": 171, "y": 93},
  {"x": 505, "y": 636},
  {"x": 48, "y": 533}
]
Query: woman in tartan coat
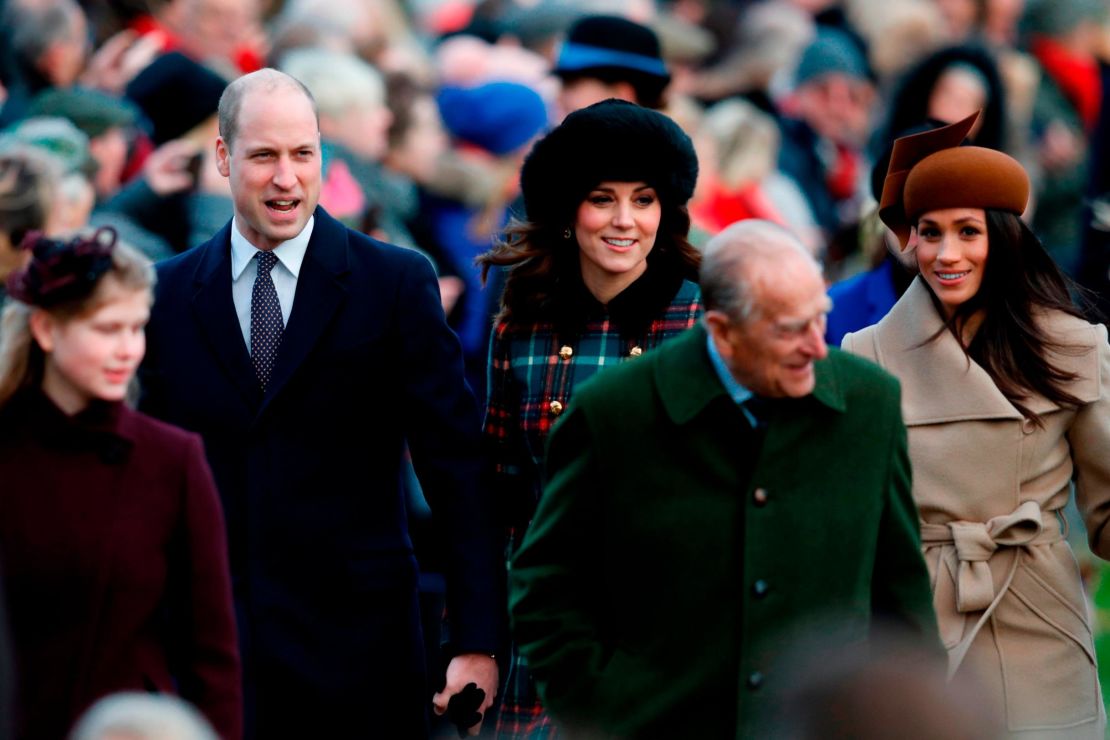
[{"x": 599, "y": 273}]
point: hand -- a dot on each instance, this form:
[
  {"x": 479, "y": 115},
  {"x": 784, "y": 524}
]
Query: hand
[
  {"x": 467, "y": 668},
  {"x": 120, "y": 59},
  {"x": 166, "y": 169}
]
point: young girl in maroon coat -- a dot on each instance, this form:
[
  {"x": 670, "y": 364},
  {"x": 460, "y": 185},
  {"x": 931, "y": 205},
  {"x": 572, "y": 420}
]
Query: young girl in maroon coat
[{"x": 111, "y": 533}]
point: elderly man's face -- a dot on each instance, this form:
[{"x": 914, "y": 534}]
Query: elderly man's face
[{"x": 772, "y": 353}]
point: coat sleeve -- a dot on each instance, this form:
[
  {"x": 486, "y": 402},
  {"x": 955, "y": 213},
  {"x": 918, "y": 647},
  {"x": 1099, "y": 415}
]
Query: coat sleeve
[
  {"x": 900, "y": 592},
  {"x": 443, "y": 429},
  {"x": 1089, "y": 438},
  {"x": 209, "y": 671},
  {"x": 554, "y": 577}
]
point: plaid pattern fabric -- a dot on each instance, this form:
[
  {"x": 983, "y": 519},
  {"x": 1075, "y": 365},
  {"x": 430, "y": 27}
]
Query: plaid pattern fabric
[{"x": 532, "y": 373}]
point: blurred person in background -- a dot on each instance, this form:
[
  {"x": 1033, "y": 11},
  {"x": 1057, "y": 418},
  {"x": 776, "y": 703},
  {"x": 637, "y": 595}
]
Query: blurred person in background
[
  {"x": 599, "y": 273},
  {"x": 27, "y": 189},
  {"x": 606, "y": 56},
  {"x": 135, "y": 716},
  {"x": 111, "y": 533},
  {"x": 1006, "y": 394},
  {"x": 738, "y": 150},
  {"x": 49, "y": 42}
]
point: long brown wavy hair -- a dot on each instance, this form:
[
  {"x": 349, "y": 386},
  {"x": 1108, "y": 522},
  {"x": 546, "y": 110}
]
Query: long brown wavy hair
[{"x": 1020, "y": 282}]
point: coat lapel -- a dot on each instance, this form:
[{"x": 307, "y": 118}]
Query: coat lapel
[
  {"x": 214, "y": 311},
  {"x": 939, "y": 382},
  {"x": 320, "y": 291}
]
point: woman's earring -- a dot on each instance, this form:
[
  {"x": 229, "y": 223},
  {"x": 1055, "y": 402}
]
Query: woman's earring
[{"x": 566, "y": 233}]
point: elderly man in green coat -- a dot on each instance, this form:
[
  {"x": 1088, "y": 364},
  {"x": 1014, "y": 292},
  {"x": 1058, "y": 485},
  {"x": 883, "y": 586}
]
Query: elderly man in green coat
[{"x": 713, "y": 501}]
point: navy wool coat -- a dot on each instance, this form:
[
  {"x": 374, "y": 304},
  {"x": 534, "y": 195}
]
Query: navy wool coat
[{"x": 323, "y": 571}]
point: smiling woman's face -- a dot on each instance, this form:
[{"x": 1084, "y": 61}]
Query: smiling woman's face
[
  {"x": 952, "y": 250},
  {"x": 615, "y": 227}
]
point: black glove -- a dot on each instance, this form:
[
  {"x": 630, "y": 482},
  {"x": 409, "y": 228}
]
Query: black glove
[{"x": 462, "y": 708}]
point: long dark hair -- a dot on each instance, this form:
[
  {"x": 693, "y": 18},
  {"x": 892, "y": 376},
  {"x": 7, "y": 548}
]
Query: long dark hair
[
  {"x": 542, "y": 263},
  {"x": 1020, "y": 284}
]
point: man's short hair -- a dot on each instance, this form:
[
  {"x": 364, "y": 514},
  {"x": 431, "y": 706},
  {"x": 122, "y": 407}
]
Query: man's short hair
[
  {"x": 726, "y": 270},
  {"x": 232, "y": 99},
  {"x": 143, "y": 717}
]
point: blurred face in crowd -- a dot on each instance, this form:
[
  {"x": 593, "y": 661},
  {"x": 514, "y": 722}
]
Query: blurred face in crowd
[
  {"x": 364, "y": 129},
  {"x": 837, "y": 106},
  {"x": 579, "y": 93},
  {"x": 215, "y": 28},
  {"x": 422, "y": 144},
  {"x": 615, "y": 228},
  {"x": 952, "y": 253},
  {"x": 771, "y": 353},
  {"x": 93, "y": 356},
  {"x": 110, "y": 152},
  {"x": 64, "y": 59},
  {"x": 273, "y": 164},
  {"x": 958, "y": 93}
]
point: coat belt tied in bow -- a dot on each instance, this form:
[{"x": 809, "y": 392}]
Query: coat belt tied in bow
[{"x": 966, "y": 548}]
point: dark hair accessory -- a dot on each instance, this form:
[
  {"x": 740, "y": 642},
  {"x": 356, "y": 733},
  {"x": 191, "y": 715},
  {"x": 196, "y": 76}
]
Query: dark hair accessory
[{"x": 62, "y": 271}]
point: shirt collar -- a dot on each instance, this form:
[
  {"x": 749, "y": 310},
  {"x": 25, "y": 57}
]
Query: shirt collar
[
  {"x": 290, "y": 252},
  {"x": 735, "y": 389}
]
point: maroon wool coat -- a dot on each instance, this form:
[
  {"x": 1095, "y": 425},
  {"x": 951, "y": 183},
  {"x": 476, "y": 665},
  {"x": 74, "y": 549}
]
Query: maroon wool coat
[{"x": 115, "y": 564}]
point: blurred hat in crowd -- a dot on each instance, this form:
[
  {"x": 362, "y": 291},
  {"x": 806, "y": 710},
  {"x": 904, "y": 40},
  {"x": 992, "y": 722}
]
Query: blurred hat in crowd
[
  {"x": 92, "y": 111},
  {"x": 610, "y": 47},
  {"x": 176, "y": 95},
  {"x": 1058, "y": 17},
  {"x": 66, "y": 144},
  {"x": 500, "y": 117},
  {"x": 831, "y": 51},
  {"x": 613, "y": 140}
]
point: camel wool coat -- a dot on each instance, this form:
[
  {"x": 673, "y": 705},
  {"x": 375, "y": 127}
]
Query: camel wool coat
[{"x": 989, "y": 485}]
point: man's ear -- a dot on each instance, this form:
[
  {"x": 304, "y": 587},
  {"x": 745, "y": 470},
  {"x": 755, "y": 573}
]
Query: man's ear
[
  {"x": 42, "y": 327},
  {"x": 718, "y": 324},
  {"x": 223, "y": 157}
]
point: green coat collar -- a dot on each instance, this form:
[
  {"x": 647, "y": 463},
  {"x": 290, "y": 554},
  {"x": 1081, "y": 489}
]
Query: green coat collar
[{"x": 688, "y": 383}]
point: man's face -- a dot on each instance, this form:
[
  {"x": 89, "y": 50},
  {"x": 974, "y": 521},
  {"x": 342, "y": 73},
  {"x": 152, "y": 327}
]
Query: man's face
[
  {"x": 273, "y": 165},
  {"x": 773, "y": 351},
  {"x": 838, "y": 107},
  {"x": 585, "y": 91}
]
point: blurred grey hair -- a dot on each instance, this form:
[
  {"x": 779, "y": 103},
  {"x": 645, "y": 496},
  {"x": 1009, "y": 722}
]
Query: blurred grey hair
[
  {"x": 339, "y": 82},
  {"x": 143, "y": 717},
  {"x": 36, "y": 25},
  {"x": 726, "y": 273}
]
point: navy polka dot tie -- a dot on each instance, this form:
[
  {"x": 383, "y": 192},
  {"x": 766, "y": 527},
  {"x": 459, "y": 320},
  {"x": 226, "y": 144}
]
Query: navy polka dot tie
[{"x": 266, "y": 322}]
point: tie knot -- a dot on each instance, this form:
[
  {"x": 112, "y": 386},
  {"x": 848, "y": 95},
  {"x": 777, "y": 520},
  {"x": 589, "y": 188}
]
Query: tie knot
[{"x": 266, "y": 261}]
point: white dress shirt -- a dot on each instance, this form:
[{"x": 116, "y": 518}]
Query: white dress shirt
[{"x": 290, "y": 255}]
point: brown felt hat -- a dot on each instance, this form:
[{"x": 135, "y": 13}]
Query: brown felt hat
[{"x": 930, "y": 170}]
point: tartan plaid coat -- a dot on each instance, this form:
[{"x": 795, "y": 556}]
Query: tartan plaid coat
[{"x": 533, "y": 370}]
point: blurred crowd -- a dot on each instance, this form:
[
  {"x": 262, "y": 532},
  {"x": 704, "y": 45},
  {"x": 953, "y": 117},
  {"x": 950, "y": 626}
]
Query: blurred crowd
[{"x": 428, "y": 108}]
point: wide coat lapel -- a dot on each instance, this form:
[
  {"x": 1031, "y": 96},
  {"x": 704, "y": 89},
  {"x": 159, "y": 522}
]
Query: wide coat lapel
[
  {"x": 940, "y": 383},
  {"x": 320, "y": 292},
  {"x": 215, "y": 314}
]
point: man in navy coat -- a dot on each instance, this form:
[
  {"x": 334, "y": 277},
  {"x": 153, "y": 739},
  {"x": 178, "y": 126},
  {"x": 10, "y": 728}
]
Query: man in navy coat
[{"x": 308, "y": 355}]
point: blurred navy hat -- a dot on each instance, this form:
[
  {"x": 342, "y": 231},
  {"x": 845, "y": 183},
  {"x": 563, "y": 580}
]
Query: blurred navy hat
[
  {"x": 500, "y": 117},
  {"x": 92, "y": 111},
  {"x": 613, "y": 48},
  {"x": 831, "y": 51},
  {"x": 176, "y": 94},
  {"x": 613, "y": 140}
]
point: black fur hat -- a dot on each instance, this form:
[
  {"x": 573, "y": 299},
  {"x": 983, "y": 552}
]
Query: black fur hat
[{"x": 612, "y": 140}]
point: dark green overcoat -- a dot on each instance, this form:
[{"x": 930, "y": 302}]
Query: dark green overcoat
[{"x": 672, "y": 558}]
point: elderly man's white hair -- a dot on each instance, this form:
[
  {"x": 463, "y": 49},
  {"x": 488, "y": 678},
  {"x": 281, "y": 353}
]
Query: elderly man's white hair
[
  {"x": 339, "y": 81},
  {"x": 731, "y": 260},
  {"x": 142, "y": 717}
]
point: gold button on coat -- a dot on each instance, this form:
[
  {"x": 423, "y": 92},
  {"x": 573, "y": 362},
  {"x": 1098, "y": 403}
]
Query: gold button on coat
[
  {"x": 556, "y": 408},
  {"x": 566, "y": 352},
  {"x": 635, "y": 352}
]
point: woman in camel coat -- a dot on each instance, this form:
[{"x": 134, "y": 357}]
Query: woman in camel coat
[{"x": 1006, "y": 395}]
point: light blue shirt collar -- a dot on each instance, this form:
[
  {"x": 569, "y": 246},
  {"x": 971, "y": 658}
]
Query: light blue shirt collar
[
  {"x": 739, "y": 394},
  {"x": 290, "y": 252}
]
